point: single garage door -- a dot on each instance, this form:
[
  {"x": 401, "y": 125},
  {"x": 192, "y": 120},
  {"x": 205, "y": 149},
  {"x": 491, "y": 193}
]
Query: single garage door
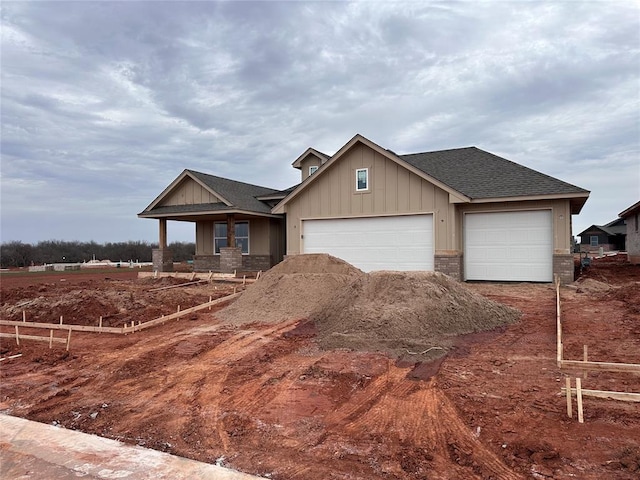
[
  {"x": 509, "y": 246},
  {"x": 374, "y": 243}
]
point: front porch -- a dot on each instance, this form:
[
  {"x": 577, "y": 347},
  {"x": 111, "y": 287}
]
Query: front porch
[{"x": 256, "y": 239}]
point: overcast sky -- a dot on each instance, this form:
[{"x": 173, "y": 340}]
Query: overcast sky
[{"x": 105, "y": 103}]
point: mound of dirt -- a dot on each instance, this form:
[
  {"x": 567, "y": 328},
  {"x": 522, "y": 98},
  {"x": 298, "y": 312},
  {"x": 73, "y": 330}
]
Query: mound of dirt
[
  {"x": 294, "y": 288},
  {"x": 391, "y": 312},
  {"x": 592, "y": 286},
  {"x": 314, "y": 263},
  {"x": 406, "y": 313}
]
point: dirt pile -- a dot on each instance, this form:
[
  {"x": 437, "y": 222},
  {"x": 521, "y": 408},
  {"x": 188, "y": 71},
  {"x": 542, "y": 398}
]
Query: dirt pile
[
  {"x": 399, "y": 313},
  {"x": 292, "y": 289},
  {"x": 415, "y": 314}
]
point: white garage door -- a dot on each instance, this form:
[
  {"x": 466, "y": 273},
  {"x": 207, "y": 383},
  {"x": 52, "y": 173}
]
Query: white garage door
[
  {"x": 509, "y": 246},
  {"x": 377, "y": 243}
]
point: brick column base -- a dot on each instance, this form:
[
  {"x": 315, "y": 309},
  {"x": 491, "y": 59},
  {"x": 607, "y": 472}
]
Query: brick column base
[
  {"x": 230, "y": 259},
  {"x": 449, "y": 264},
  {"x": 563, "y": 267},
  {"x": 162, "y": 260}
]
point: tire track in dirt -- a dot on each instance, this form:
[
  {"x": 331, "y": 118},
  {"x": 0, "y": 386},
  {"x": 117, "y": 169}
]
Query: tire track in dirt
[{"x": 420, "y": 414}]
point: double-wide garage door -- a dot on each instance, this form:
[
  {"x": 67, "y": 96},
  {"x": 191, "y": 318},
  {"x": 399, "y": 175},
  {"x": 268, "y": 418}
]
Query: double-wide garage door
[
  {"x": 374, "y": 243},
  {"x": 509, "y": 246}
]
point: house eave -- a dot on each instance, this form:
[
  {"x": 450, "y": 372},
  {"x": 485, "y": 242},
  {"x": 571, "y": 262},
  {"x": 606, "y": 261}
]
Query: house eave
[
  {"x": 190, "y": 216},
  {"x": 631, "y": 210},
  {"x": 297, "y": 163},
  {"x": 577, "y": 200}
]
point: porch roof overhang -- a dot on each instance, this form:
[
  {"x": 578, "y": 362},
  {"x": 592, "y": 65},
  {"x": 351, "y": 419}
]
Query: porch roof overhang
[{"x": 201, "y": 211}]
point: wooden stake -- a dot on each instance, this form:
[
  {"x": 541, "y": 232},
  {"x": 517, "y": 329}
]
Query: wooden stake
[
  {"x": 68, "y": 340},
  {"x": 100, "y": 324},
  {"x": 258, "y": 275},
  {"x": 567, "y": 382},
  {"x": 586, "y": 359},
  {"x": 17, "y": 336},
  {"x": 178, "y": 307},
  {"x": 60, "y": 319},
  {"x": 244, "y": 280},
  {"x": 24, "y": 316},
  {"x": 558, "y": 324},
  {"x": 50, "y": 338},
  {"x": 579, "y": 399},
  {"x": 234, "y": 289},
  {"x": 10, "y": 357},
  {"x": 210, "y": 302}
]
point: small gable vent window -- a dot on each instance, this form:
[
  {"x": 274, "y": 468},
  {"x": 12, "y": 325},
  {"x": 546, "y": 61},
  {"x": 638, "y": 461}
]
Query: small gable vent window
[
  {"x": 362, "y": 179},
  {"x": 312, "y": 170},
  {"x": 220, "y": 236}
]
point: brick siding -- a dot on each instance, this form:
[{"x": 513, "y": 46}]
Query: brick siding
[
  {"x": 563, "y": 267},
  {"x": 449, "y": 265},
  {"x": 162, "y": 260}
]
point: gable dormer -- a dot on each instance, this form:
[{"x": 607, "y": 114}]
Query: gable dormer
[{"x": 310, "y": 161}]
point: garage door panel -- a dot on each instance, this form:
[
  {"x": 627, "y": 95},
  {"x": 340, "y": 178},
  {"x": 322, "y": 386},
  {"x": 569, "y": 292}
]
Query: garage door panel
[
  {"x": 509, "y": 246},
  {"x": 375, "y": 243}
]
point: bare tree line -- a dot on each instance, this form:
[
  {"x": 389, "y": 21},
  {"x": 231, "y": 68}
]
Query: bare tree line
[{"x": 19, "y": 254}]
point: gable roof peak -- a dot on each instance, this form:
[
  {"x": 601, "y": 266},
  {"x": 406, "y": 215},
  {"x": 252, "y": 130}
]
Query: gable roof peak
[{"x": 323, "y": 157}]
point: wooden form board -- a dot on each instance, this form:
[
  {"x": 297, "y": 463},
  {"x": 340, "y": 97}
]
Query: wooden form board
[
  {"x": 119, "y": 330},
  {"x": 601, "y": 366},
  {"x": 585, "y": 365},
  {"x": 623, "y": 396},
  {"x": 34, "y": 337}
]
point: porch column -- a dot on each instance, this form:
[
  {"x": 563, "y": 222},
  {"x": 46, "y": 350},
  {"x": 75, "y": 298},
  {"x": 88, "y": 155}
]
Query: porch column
[
  {"x": 231, "y": 230},
  {"x": 162, "y": 257},
  {"x": 231, "y": 256},
  {"x": 162, "y": 234}
]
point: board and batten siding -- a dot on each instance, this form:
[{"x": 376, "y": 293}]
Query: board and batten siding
[
  {"x": 393, "y": 190},
  {"x": 189, "y": 192}
]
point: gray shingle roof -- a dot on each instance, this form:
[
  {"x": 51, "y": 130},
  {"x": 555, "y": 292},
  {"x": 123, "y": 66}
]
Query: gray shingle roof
[
  {"x": 241, "y": 195},
  {"x": 478, "y": 174}
]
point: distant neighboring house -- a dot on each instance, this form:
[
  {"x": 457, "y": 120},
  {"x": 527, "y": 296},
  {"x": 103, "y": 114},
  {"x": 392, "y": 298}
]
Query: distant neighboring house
[
  {"x": 630, "y": 215},
  {"x": 609, "y": 237},
  {"x": 464, "y": 212}
]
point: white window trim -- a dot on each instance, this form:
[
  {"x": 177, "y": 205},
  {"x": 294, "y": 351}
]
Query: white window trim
[
  {"x": 313, "y": 169},
  {"x": 248, "y": 237},
  {"x": 366, "y": 170}
]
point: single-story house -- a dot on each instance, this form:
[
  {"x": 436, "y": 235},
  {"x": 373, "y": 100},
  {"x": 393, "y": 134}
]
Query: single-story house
[
  {"x": 610, "y": 237},
  {"x": 464, "y": 212},
  {"x": 630, "y": 215}
]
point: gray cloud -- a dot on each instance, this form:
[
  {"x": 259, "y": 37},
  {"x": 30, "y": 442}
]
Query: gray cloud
[{"x": 104, "y": 103}]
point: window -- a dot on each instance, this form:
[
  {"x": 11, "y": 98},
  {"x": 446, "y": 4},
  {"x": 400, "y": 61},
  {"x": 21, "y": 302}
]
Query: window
[
  {"x": 312, "y": 170},
  {"x": 220, "y": 236},
  {"x": 362, "y": 179},
  {"x": 594, "y": 240}
]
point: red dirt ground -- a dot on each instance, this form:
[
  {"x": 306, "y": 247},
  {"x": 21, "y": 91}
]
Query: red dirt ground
[{"x": 266, "y": 400}]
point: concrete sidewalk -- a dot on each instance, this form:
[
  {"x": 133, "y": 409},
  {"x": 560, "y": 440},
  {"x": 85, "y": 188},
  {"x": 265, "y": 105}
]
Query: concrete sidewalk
[{"x": 32, "y": 450}]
